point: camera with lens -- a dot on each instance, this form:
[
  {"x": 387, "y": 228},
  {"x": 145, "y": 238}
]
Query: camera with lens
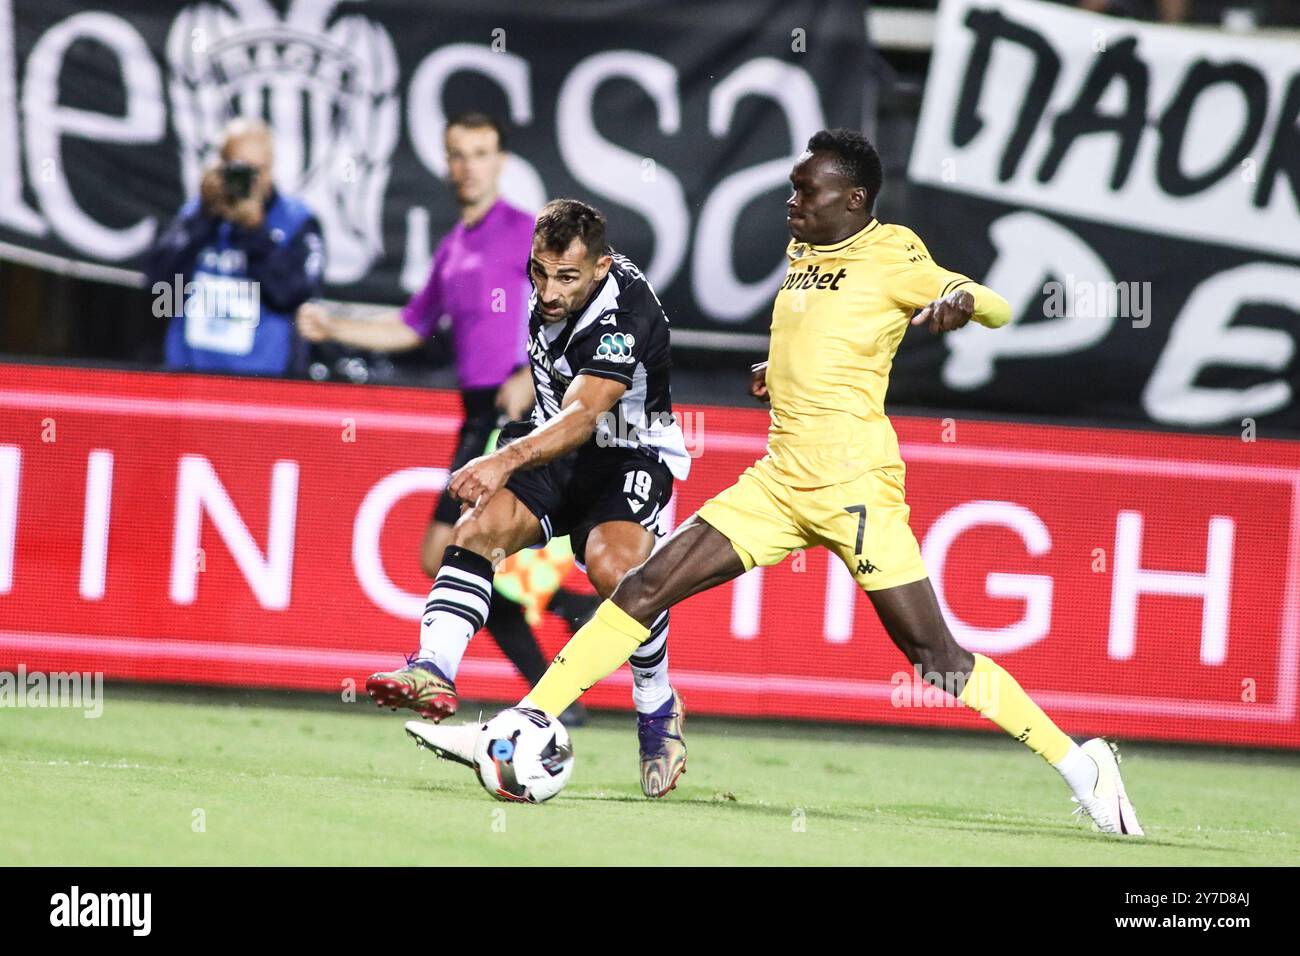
[{"x": 237, "y": 180}]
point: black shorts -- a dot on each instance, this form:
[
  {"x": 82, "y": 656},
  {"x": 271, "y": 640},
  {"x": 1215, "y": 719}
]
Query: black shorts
[
  {"x": 481, "y": 418},
  {"x": 573, "y": 494}
]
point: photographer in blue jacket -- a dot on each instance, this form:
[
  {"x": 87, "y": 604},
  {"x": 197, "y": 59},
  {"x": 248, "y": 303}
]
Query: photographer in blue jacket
[{"x": 235, "y": 264}]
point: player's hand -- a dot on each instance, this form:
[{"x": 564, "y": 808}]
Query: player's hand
[
  {"x": 314, "y": 323},
  {"x": 949, "y": 313},
  {"x": 758, "y": 382},
  {"x": 515, "y": 396},
  {"x": 479, "y": 480}
]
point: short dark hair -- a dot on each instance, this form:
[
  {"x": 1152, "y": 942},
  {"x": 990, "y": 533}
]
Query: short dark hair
[
  {"x": 856, "y": 159},
  {"x": 477, "y": 120},
  {"x": 563, "y": 220}
]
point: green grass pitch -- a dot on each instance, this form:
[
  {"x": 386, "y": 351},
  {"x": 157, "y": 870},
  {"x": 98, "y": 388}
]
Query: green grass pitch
[{"x": 215, "y": 778}]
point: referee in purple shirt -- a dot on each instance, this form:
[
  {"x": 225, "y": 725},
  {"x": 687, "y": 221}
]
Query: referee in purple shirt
[{"x": 479, "y": 279}]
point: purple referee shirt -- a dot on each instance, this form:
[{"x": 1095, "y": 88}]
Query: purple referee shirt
[{"x": 480, "y": 278}]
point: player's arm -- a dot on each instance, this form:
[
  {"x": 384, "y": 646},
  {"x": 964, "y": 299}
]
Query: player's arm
[
  {"x": 947, "y": 300},
  {"x": 587, "y": 398},
  {"x": 395, "y": 331},
  {"x": 968, "y": 300},
  {"x": 387, "y": 333},
  {"x": 989, "y": 309}
]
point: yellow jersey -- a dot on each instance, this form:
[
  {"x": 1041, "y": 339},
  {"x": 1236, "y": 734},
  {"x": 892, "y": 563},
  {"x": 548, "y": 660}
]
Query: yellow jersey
[{"x": 836, "y": 324}]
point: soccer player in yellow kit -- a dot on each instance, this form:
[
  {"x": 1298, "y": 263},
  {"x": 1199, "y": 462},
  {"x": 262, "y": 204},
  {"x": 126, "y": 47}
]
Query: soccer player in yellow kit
[{"x": 832, "y": 475}]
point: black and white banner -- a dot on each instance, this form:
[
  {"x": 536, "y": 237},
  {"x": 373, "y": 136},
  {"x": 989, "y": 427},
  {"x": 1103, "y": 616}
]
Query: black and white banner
[
  {"x": 679, "y": 119},
  {"x": 1132, "y": 189}
]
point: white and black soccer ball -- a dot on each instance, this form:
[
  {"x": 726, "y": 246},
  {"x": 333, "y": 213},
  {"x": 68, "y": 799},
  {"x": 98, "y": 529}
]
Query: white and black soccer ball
[{"x": 523, "y": 755}]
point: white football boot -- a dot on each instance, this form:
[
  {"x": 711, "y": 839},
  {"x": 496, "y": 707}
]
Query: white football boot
[
  {"x": 448, "y": 742},
  {"x": 1109, "y": 806}
]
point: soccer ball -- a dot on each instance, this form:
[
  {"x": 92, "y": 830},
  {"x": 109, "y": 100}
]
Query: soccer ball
[{"x": 523, "y": 755}]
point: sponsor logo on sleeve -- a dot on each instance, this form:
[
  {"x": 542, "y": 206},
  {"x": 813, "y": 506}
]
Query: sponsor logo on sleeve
[{"x": 616, "y": 347}]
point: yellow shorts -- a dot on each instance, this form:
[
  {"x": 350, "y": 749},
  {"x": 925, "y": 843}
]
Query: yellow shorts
[{"x": 863, "y": 521}]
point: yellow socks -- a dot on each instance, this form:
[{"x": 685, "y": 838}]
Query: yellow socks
[
  {"x": 611, "y": 637},
  {"x": 995, "y": 694},
  {"x": 597, "y": 650}
]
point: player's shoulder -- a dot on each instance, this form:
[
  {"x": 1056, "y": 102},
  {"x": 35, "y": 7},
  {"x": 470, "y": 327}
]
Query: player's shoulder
[
  {"x": 896, "y": 232},
  {"x": 895, "y": 235},
  {"x": 635, "y": 294},
  {"x": 625, "y": 306},
  {"x": 626, "y": 272},
  {"x": 898, "y": 244}
]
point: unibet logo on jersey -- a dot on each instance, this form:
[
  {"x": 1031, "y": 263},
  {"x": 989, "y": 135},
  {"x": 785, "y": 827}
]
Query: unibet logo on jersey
[
  {"x": 615, "y": 347},
  {"x": 813, "y": 278}
]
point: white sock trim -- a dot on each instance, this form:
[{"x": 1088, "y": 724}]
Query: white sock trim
[
  {"x": 445, "y": 634},
  {"x": 1079, "y": 770},
  {"x": 650, "y": 686}
]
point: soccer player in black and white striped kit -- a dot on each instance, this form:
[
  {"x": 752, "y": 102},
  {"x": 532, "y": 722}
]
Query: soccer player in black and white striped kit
[{"x": 597, "y": 462}]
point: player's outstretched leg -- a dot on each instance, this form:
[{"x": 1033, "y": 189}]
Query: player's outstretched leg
[
  {"x": 696, "y": 557},
  {"x": 911, "y": 615},
  {"x": 457, "y": 608}
]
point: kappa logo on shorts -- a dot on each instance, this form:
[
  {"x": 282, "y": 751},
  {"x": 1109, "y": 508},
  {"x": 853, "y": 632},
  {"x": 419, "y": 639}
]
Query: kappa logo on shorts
[
  {"x": 866, "y": 567},
  {"x": 616, "y": 347}
]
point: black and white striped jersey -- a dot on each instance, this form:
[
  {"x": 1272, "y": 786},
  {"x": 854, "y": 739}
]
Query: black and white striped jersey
[{"x": 622, "y": 334}]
